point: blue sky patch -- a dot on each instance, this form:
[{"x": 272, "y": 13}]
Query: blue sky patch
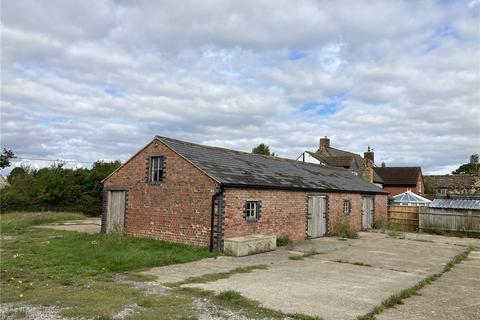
[
  {"x": 111, "y": 91},
  {"x": 297, "y": 54}
]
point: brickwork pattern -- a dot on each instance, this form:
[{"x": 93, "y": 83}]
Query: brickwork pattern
[{"x": 178, "y": 210}]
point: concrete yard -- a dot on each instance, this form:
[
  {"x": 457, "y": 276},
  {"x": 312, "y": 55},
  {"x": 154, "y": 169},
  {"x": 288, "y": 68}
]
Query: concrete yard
[
  {"x": 347, "y": 278},
  {"x": 454, "y": 296}
]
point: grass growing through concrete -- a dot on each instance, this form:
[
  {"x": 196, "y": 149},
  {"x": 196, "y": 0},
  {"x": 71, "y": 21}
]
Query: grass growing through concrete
[
  {"x": 398, "y": 298},
  {"x": 217, "y": 276},
  {"x": 354, "y": 263},
  {"x": 303, "y": 256}
]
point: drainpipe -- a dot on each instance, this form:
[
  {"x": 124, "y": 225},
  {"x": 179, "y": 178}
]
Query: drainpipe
[{"x": 212, "y": 217}]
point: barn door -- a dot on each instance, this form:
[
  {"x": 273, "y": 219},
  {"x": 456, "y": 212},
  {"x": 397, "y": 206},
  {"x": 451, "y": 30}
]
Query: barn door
[
  {"x": 367, "y": 212},
  {"x": 116, "y": 211},
  {"x": 317, "y": 216}
]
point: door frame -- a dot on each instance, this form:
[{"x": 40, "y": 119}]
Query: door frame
[
  {"x": 372, "y": 211},
  {"x": 106, "y": 204},
  {"x": 326, "y": 214}
]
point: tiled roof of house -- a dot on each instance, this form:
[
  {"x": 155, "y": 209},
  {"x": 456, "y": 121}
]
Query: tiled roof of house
[
  {"x": 405, "y": 176},
  {"x": 458, "y": 182},
  {"x": 235, "y": 168},
  {"x": 343, "y": 159}
]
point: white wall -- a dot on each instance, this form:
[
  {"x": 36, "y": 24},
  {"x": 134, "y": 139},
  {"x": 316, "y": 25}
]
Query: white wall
[{"x": 306, "y": 157}]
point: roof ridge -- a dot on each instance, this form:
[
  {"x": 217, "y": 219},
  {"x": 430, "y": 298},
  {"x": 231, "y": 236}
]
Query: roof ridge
[{"x": 251, "y": 154}]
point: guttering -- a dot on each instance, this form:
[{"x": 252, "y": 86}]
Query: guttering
[{"x": 212, "y": 216}]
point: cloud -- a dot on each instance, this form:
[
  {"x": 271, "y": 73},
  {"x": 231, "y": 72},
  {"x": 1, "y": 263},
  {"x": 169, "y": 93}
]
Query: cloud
[{"x": 98, "y": 79}]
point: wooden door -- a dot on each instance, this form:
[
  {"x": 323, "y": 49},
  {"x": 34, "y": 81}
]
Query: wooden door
[
  {"x": 116, "y": 211},
  {"x": 367, "y": 212},
  {"x": 317, "y": 216}
]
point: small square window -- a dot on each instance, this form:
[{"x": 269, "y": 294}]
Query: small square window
[
  {"x": 156, "y": 169},
  {"x": 347, "y": 206},
  {"x": 251, "y": 211}
]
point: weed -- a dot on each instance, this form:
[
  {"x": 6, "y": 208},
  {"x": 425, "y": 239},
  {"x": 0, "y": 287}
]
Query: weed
[
  {"x": 281, "y": 242},
  {"x": 343, "y": 229}
]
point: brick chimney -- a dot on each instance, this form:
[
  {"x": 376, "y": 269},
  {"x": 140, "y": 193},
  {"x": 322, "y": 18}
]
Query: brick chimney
[
  {"x": 324, "y": 143},
  {"x": 369, "y": 155}
]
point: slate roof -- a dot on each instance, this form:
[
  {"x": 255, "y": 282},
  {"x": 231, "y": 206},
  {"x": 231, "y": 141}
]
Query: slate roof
[
  {"x": 235, "y": 168},
  {"x": 399, "y": 176},
  {"x": 467, "y": 204}
]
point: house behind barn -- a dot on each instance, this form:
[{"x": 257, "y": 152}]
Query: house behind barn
[{"x": 189, "y": 193}]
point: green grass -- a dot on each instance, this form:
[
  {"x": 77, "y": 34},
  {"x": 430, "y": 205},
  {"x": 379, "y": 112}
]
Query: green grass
[
  {"x": 217, "y": 276},
  {"x": 18, "y": 222},
  {"x": 75, "y": 270},
  {"x": 398, "y": 298}
]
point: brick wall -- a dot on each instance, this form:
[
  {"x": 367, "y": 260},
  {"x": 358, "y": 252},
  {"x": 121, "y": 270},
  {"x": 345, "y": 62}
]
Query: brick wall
[
  {"x": 178, "y": 210},
  {"x": 284, "y": 213},
  {"x": 397, "y": 190},
  {"x": 381, "y": 207}
]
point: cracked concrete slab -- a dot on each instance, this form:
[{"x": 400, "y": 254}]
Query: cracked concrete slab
[{"x": 455, "y": 295}]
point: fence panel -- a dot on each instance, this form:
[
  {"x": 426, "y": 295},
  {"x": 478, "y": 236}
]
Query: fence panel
[
  {"x": 404, "y": 218},
  {"x": 449, "y": 220}
]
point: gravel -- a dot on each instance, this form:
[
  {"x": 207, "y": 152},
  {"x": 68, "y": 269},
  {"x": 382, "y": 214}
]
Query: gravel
[
  {"x": 13, "y": 310},
  {"x": 206, "y": 310}
]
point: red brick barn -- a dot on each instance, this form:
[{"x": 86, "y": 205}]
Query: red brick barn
[{"x": 188, "y": 193}]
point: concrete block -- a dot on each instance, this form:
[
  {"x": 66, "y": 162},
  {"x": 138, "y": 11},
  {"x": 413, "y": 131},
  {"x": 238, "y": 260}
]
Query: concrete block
[{"x": 244, "y": 246}]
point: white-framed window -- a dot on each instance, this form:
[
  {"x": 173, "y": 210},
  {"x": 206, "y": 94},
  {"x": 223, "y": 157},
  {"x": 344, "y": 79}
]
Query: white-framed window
[
  {"x": 347, "y": 206},
  {"x": 251, "y": 210},
  {"x": 443, "y": 191},
  {"x": 156, "y": 169}
]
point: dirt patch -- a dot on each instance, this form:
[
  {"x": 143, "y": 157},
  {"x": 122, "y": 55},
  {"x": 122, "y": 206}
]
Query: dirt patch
[{"x": 149, "y": 287}]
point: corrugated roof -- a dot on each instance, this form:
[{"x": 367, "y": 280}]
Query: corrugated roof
[
  {"x": 467, "y": 204},
  {"x": 237, "y": 168},
  {"x": 399, "y": 175}
]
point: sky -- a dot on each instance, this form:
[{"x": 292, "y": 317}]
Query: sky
[{"x": 91, "y": 80}]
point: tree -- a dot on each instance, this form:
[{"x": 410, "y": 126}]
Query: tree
[
  {"x": 263, "y": 149},
  {"x": 468, "y": 168},
  {"x": 5, "y": 158}
]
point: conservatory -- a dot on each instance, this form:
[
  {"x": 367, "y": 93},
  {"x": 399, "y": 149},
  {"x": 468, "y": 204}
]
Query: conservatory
[{"x": 409, "y": 198}]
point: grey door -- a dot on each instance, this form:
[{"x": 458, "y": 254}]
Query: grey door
[
  {"x": 115, "y": 211},
  {"x": 317, "y": 216},
  {"x": 367, "y": 212}
]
